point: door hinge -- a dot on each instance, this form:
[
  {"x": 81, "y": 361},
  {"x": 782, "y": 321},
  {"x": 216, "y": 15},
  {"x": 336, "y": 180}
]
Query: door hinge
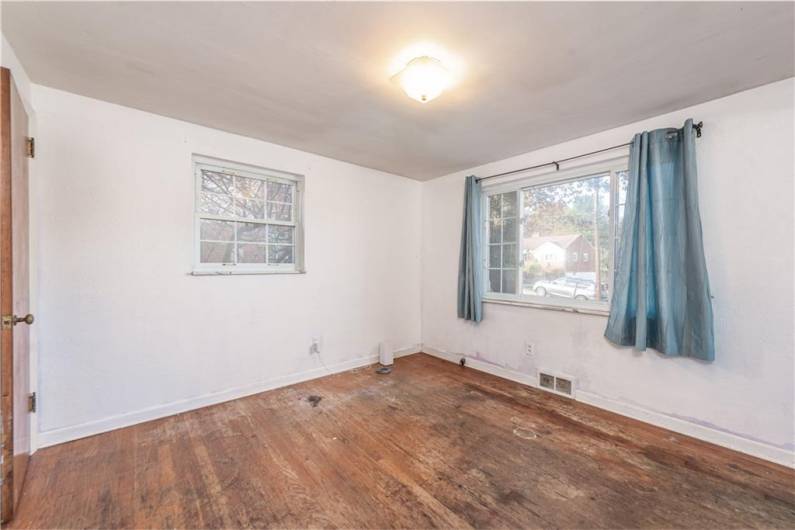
[
  {"x": 30, "y": 147},
  {"x": 32, "y": 402}
]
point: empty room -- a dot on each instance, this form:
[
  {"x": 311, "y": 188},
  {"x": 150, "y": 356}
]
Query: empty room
[{"x": 368, "y": 265}]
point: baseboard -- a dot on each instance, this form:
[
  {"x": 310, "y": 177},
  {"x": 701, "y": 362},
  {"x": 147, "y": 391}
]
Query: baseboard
[
  {"x": 707, "y": 434},
  {"x": 678, "y": 425},
  {"x": 74, "y": 432},
  {"x": 411, "y": 350}
]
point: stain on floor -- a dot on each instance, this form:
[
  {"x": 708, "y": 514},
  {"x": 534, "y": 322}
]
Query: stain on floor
[{"x": 429, "y": 446}]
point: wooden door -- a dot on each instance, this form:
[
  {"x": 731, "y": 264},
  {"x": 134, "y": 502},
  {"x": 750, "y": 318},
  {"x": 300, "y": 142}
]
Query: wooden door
[{"x": 15, "y": 396}]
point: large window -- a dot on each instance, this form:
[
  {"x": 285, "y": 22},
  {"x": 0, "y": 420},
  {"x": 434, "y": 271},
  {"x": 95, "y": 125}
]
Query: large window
[
  {"x": 247, "y": 219},
  {"x": 552, "y": 239}
]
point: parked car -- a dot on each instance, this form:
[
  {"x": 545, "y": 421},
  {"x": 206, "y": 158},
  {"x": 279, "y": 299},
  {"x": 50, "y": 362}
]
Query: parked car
[{"x": 567, "y": 287}]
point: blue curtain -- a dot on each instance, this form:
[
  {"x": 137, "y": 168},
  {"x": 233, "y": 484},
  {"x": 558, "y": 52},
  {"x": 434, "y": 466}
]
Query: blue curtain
[
  {"x": 470, "y": 280},
  {"x": 661, "y": 296}
]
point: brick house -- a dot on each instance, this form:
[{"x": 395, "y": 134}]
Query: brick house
[{"x": 568, "y": 253}]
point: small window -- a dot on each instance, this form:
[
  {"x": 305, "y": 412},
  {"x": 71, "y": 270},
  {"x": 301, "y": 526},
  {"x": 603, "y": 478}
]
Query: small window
[
  {"x": 552, "y": 219},
  {"x": 248, "y": 219}
]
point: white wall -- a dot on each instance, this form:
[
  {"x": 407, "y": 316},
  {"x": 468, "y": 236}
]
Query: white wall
[
  {"x": 745, "y": 398},
  {"x": 126, "y": 334}
]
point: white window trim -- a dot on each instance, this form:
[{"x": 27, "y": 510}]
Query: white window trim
[
  {"x": 612, "y": 165},
  {"x": 200, "y": 162}
]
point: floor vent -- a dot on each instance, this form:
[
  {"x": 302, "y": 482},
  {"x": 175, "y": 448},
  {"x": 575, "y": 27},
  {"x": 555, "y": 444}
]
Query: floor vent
[
  {"x": 546, "y": 381},
  {"x": 558, "y": 384},
  {"x": 563, "y": 385}
]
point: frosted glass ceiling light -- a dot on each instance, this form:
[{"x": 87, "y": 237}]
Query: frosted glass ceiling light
[{"x": 424, "y": 78}]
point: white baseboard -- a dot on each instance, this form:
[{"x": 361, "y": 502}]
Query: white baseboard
[
  {"x": 701, "y": 432},
  {"x": 74, "y": 432},
  {"x": 707, "y": 434},
  {"x": 411, "y": 350}
]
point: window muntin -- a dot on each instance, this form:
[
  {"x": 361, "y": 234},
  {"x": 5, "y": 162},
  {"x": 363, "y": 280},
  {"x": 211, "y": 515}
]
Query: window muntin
[
  {"x": 567, "y": 231},
  {"x": 247, "y": 219},
  {"x": 502, "y": 250}
]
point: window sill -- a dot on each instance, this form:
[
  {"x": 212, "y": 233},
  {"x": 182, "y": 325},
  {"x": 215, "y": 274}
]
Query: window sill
[
  {"x": 551, "y": 307},
  {"x": 212, "y": 272}
]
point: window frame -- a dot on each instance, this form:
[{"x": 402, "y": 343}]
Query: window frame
[
  {"x": 517, "y": 183},
  {"x": 225, "y": 167}
]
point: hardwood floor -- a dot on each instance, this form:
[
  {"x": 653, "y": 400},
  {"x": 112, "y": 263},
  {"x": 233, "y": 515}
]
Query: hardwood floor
[{"x": 431, "y": 445}]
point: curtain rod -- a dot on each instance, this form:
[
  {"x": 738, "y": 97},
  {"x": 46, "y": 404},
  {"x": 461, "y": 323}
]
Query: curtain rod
[{"x": 556, "y": 163}]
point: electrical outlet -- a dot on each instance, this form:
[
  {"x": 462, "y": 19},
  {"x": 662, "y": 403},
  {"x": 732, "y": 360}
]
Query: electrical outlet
[
  {"x": 529, "y": 349},
  {"x": 546, "y": 381}
]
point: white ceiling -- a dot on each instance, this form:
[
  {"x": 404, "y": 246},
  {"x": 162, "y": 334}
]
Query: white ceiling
[{"x": 313, "y": 76}]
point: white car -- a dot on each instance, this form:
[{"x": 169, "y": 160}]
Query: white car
[{"x": 566, "y": 287}]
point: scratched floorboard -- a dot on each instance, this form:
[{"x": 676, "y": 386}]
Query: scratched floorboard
[{"x": 431, "y": 445}]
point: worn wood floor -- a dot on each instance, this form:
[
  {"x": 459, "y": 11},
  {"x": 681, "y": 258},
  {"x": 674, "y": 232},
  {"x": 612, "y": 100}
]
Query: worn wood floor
[{"x": 432, "y": 445}]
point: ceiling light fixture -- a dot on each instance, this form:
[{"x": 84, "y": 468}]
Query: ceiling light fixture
[{"x": 424, "y": 78}]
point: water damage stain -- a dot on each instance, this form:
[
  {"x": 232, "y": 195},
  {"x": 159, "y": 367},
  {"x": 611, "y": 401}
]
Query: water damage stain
[
  {"x": 527, "y": 434},
  {"x": 524, "y": 430}
]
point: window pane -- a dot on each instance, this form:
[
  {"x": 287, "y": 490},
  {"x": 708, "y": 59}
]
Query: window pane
[
  {"x": 216, "y": 182},
  {"x": 280, "y": 254},
  {"x": 509, "y": 204},
  {"x": 217, "y": 230},
  {"x": 217, "y": 252},
  {"x": 495, "y": 210},
  {"x": 251, "y": 253},
  {"x": 249, "y": 209},
  {"x": 280, "y": 234},
  {"x": 494, "y": 281},
  {"x": 508, "y": 230},
  {"x": 251, "y": 218},
  {"x": 509, "y": 256},
  {"x": 280, "y": 212},
  {"x": 249, "y": 188},
  {"x": 494, "y": 256},
  {"x": 494, "y": 231},
  {"x": 560, "y": 224},
  {"x": 509, "y": 281},
  {"x": 252, "y": 232},
  {"x": 215, "y": 204},
  {"x": 623, "y": 184},
  {"x": 280, "y": 192}
]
